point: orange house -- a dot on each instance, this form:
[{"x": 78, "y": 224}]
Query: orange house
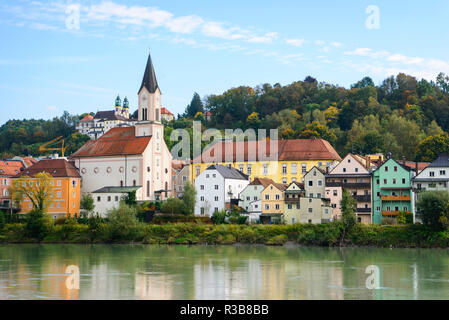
[{"x": 66, "y": 182}]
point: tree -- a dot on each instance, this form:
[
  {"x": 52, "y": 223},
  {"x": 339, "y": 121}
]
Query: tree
[
  {"x": 195, "y": 106},
  {"x": 432, "y": 207},
  {"x": 173, "y": 206},
  {"x": 38, "y": 189},
  {"x": 130, "y": 198},
  {"x": 365, "y": 82},
  {"x": 431, "y": 147},
  {"x": 189, "y": 198},
  {"x": 87, "y": 203},
  {"x": 348, "y": 209},
  {"x": 317, "y": 130},
  {"x": 122, "y": 222}
]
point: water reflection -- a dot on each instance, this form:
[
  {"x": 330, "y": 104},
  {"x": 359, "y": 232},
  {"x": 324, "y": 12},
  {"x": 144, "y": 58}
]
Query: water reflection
[{"x": 207, "y": 272}]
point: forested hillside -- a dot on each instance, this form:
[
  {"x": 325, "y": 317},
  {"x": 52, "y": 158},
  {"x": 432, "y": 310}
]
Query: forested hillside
[
  {"x": 23, "y": 137},
  {"x": 401, "y": 115}
]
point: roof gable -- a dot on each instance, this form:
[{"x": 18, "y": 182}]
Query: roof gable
[
  {"x": 55, "y": 167},
  {"x": 229, "y": 173},
  {"x": 351, "y": 164}
]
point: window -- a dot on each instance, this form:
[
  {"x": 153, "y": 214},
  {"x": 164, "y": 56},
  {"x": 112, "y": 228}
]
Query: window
[
  {"x": 405, "y": 208},
  {"x": 335, "y": 193},
  {"x": 284, "y": 169},
  {"x": 248, "y": 198},
  {"x": 216, "y": 209},
  {"x": 202, "y": 187},
  {"x": 148, "y": 188},
  {"x": 59, "y": 183},
  {"x": 294, "y": 168},
  {"x": 109, "y": 198},
  {"x": 388, "y": 208},
  {"x": 394, "y": 181},
  {"x": 207, "y": 176},
  {"x": 442, "y": 172},
  {"x": 386, "y": 168},
  {"x": 73, "y": 183},
  {"x": 58, "y": 194},
  {"x": 344, "y": 169},
  {"x": 320, "y": 183},
  {"x": 216, "y": 199},
  {"x": 385, "y": 181},
  {"x": 241, "y": 167},
  {"x": 202, "y": 211},
  {"x": 98, "y": 199},
  {"x": 267, "y": 207},
  {"x": 326, "y": 211},
  {"x": 278, "y": 197},
  {"x": 378, "y": 209},
  {"x": 304, "y": 168},
  {"x": 59, "y": 205},
  {"x": 290, "y": 206},
  {"x": 310, "y": 183},
  {"x": 216, "y": 187},
  {"x": 277, "y": 207},
  {"x": 121, "y": 183},
  {"x": 265, "y": 169},
  {"x": 431, "y": 174},
  {"x": 356, "y": 169},
  {"x": 297, "y": 206},
  {"x": 201, "y": 198},
  {"x": 198, "y": 169},
  {"x": 267, "y": 197},
  {"x": 395, "y": 168},
  {"x": 116, "y": 198},
  {"x": 284, "y": 180},
  {"x": 318, "y": 195},
  {"x": 184, "y": 178},
  {"x": 310, "y": 210},
  {"x": 134, "y": 183},
  {"x": 248, "y": 169},
  {"x": 377, "y": 181}
]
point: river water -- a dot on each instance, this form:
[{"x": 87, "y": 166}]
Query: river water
[{"x": 221, "y": 272}]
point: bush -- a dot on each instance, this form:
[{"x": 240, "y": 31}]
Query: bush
[
  {"x": 122, "y": 223},
  {"x": 433, "y": 208},
  {"x": 173, "y": 206},
  {"x": 38, "y": 224},
  {"x": 219, "y": 217},
  {"x": 179, "y": 218}
]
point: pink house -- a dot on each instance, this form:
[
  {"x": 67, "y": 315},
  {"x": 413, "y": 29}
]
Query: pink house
[
  {"x": 8, "y": 169},
  {"x": 352, "y": 175}
]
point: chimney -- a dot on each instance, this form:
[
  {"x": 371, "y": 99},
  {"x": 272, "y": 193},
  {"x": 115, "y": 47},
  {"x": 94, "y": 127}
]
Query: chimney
[
  {"x": 368, "y": 163},
  {"x": 327, "y": 169},
  {"x": 416, "y": 168}
]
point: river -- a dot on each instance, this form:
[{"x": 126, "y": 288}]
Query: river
[{"x": 46, "y": 271}]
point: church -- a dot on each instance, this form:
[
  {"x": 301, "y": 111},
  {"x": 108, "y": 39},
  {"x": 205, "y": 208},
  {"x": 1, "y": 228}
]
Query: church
[{"x": 128, "y": 158}]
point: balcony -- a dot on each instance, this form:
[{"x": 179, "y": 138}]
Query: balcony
[
  {"x": 392, "y": 213},
  {"x": 396, "y": 198},
  {"x": 348, "y": 185},
  {"x": 363, "y": 210},
  {"x": 362, "y": 198},
  {"x": 291, "y": 200}
]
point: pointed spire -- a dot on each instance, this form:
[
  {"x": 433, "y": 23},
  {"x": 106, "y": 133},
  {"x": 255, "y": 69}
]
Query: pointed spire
[{"x": 149, "y": 78}]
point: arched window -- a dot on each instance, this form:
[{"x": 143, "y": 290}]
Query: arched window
[
  {"x": 134, "y": 183},
  {"x": 121, "y": 183},
  {"x": 166, "y": 189},
  {"x": 148, "y": 188}
]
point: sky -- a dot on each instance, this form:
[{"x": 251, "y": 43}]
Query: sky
[{"x": 78, "y": 55}]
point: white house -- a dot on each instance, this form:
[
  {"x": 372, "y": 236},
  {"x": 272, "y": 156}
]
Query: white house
[
  {"x": 251, "y": 196},
  {"x": 216, "y": 187},
  {"x": 435, "y": 176},
  {"x": 131, "y": 156},
  {"x": 108, "y": 198}
]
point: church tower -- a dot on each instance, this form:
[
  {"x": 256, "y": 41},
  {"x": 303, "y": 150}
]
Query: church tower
[{"x": 149, "y": 120}]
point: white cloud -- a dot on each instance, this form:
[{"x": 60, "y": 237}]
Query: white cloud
[
  {"x": 217, "y": 30},
  {"x": 367, "y": 52},
  {"x": 267, "y": 38},
  {"x": 295, "y": 42},
  {"x": 186, "y": 24}
]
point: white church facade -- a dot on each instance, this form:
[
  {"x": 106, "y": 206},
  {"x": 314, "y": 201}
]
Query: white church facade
[{"x": 133, "y": 156}]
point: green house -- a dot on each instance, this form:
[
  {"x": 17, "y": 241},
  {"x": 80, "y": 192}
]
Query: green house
[{"x": 391, "y": 190}]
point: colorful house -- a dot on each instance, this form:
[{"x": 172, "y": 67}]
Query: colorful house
[
  {"x": 66, "y": 182},
  {"x": 286, "y": 161},
  {"x": 351, "y": 174},
  {"x": 166, "y": 115},
  {"x": 251, "y": 196},
  {"x": 292, "y": 202},
  {"x": 8, "y": 169},
  {"x": 315, "y": 207},
  {"x": 392, "y": 190},
  {"x": 273, "y": 203}
]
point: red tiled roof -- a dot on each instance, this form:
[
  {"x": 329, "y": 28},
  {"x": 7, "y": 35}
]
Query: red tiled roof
[
  {"x": 412, "y": 165},
  {"x": 288, "y": 150},
  {"x": 165, "y": 111},
  {"x": 265, "y": 182},
  {"x": 10, "y": 168},
  {"x": 29, "y": 161},
  {"x": 55, "y": 167},
  {"x": 117, "y": 141},
  {"x": 308, "y": 149},
  {"x": 87, "y": 118}
]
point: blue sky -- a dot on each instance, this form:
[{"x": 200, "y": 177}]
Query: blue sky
[{"x": 48, "y": 64}]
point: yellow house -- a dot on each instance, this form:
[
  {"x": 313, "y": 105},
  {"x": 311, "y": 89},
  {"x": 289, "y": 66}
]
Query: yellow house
[
  {"x": 65, "y": 182},
  {"x": 272, "y": 198},
  {"x": 289, "y": 163}
]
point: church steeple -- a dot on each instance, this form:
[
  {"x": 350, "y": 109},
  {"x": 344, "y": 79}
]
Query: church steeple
[{"x": 149, "y": 78}]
